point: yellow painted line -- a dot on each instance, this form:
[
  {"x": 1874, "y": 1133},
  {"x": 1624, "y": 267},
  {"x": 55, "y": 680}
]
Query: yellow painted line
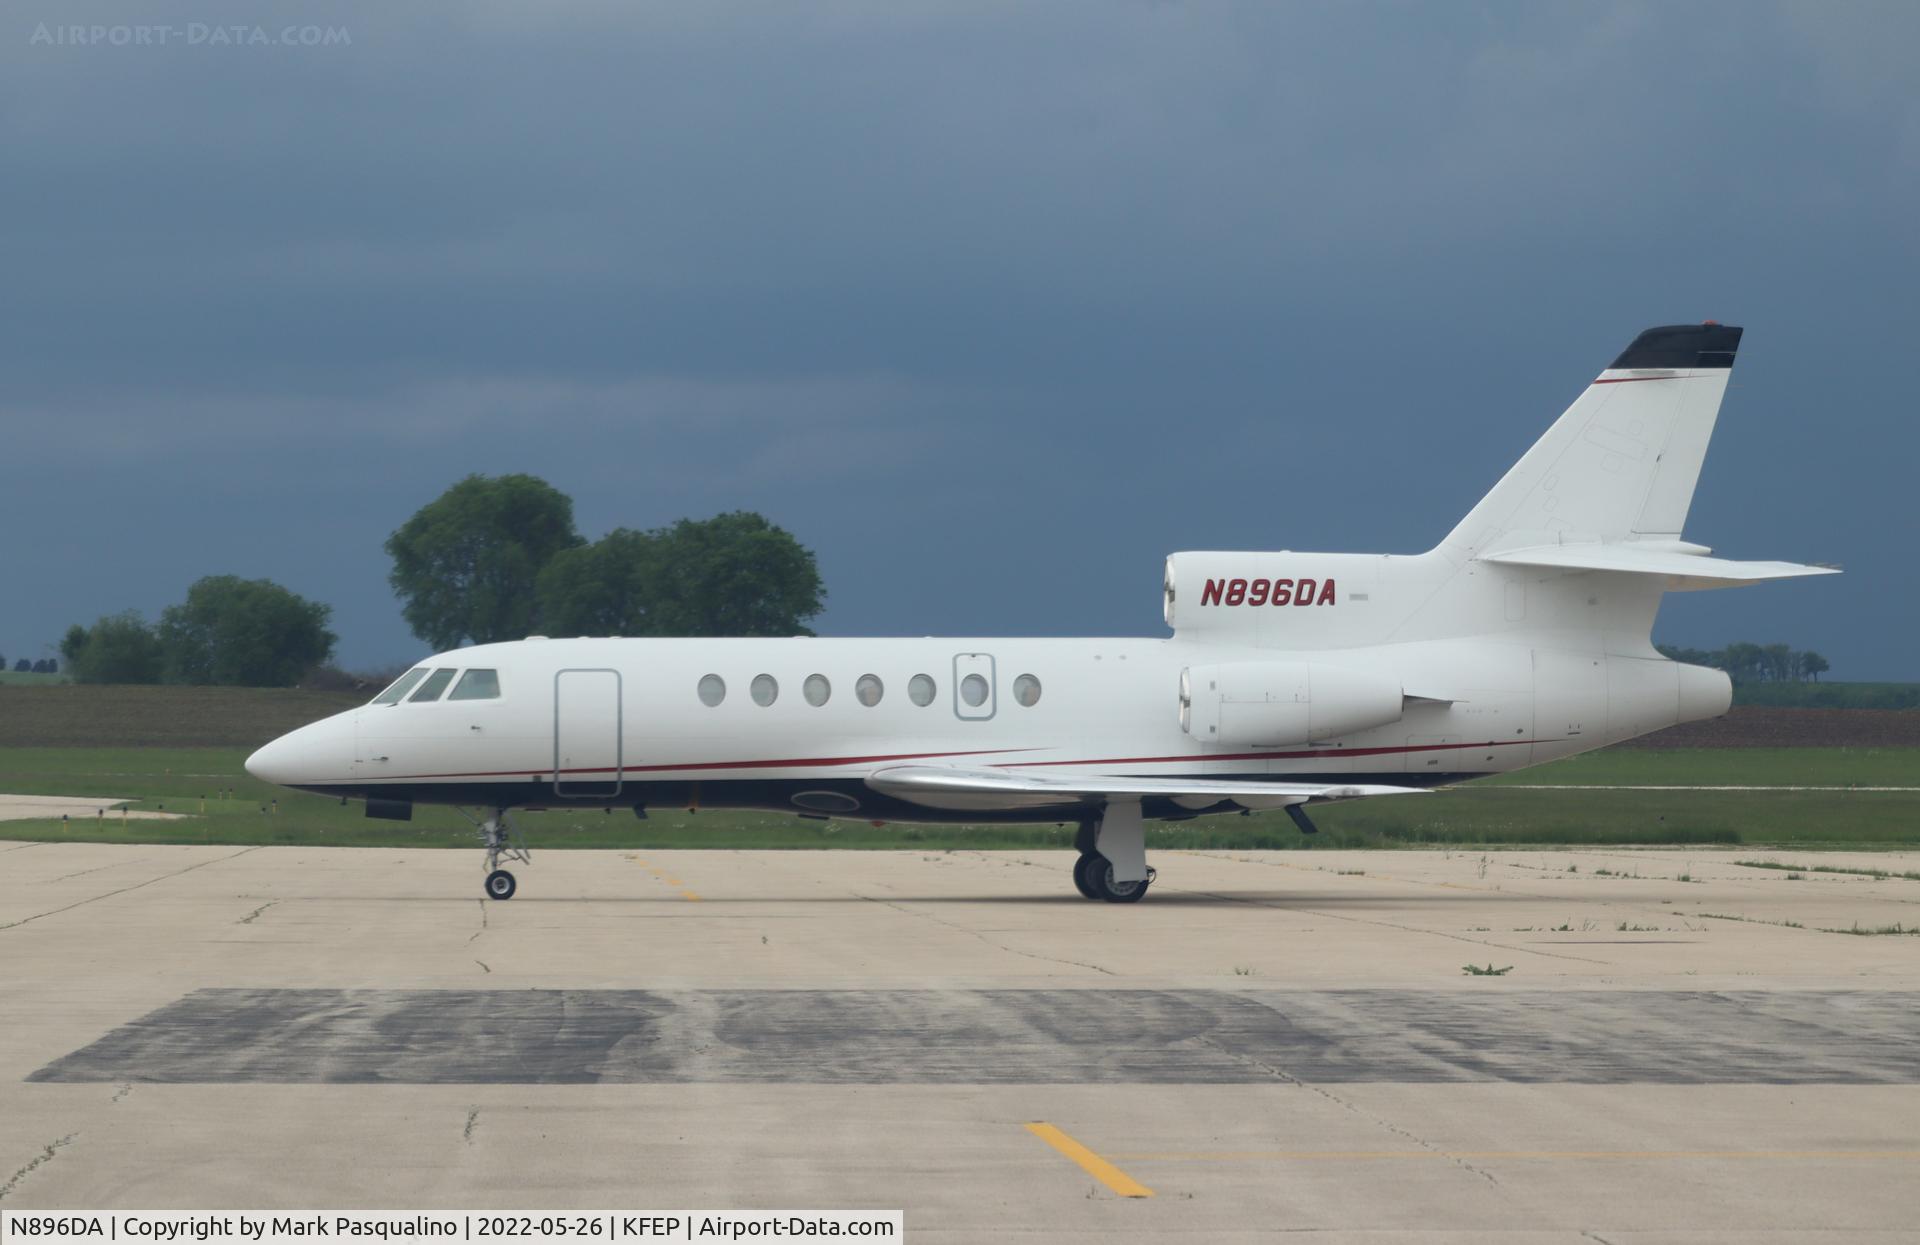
[
  {"x": 1106, "y": 1173},
  {"x": 687, "y": 894},
  {"x": 1288, "y": 1156}
]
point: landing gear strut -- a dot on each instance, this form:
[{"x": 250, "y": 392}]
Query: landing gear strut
[
  {"x": 1113, "y": 858},
  {"x": 503, "y": 842}
]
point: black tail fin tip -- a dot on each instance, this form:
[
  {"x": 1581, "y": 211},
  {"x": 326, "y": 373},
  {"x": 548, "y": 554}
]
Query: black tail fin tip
[{"x": 1682, "y": 346}]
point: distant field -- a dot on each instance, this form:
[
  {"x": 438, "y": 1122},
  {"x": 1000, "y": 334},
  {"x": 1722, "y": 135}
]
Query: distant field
[
  {"x": 87, "y": 716},
  {"x": 1490, "y": 813},
  {"x": 1829, "y": 695},
  {"x": 1759, "y": 726}
]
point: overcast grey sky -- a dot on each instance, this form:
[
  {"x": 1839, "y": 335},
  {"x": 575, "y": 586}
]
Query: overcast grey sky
[{"x": 992, "y": 305}]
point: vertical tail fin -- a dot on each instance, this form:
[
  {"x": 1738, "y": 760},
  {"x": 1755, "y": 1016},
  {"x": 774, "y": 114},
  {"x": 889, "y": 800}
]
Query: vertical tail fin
[{"x": 1622, "y": 462}]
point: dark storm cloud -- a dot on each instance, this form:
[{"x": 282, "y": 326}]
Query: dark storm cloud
[{"x": 992, "y": 305}]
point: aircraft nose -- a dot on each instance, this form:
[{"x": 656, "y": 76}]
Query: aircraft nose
[
  {"x": 318, "y": 752},
  {"x": 271, "y": 763}
]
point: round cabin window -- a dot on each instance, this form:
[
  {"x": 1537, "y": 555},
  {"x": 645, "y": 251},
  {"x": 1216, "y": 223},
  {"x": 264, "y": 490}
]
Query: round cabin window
[
  {"x": 816, "y": 689},
  {"x": 765, "y": 690},
  {"x": 713, "y": 690}
]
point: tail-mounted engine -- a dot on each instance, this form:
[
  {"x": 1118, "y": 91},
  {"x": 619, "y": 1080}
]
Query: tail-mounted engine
[{"x": 1263, "y": 704}]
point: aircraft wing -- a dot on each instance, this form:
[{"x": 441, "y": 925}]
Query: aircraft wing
[{"x": 955, "y": 788}]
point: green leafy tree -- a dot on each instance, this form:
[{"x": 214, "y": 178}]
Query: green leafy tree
[
  {"x": 1744, "y": 662},
  {"x": 466, "y": 565},
  {"x": 735, "y": 574},
  {"x": 244, "y": 632},
  {"x": 71, "y": 644},
  {"x": 1754, "y": 663},
  {"x": 610, "y": 587},
  {"x": 118, "y": 648}
]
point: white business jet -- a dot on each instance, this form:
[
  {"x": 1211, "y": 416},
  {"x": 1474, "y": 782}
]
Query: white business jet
[{"x": 1290, "y": 678}]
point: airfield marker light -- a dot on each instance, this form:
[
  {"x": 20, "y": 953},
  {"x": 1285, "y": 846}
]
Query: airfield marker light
[{"x": 63, "y": 823}]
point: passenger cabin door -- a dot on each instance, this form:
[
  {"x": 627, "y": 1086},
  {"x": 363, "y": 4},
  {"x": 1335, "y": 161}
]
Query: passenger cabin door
[
  {"x": 586, "y": 734},
  {"x": 973, "y": 686}
]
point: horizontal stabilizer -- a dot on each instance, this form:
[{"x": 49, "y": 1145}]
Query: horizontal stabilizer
[
  {"x": 947, "y": 787},
  {"x": 1684, "y": 571}
]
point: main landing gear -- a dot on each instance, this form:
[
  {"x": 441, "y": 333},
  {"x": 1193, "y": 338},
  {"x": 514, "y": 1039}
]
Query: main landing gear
[
  {"x": 1113, "y": 855},
  {"x": 503, "y": 842}
]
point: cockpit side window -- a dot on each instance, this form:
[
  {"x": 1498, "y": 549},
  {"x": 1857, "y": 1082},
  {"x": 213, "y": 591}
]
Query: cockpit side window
[
  {"x": 431, "y": 689},
  {"x": 400, "y": 686},
  {"x": 477, "y": 685}
]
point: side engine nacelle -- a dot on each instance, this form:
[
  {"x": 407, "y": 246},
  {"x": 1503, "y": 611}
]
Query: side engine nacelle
[{"x": 1273, "y": 703}]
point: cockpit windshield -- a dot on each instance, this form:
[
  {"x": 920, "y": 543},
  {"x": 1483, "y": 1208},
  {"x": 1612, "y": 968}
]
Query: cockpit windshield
[
  {"x": 401, "y": 686},
  {"x": 435, "y": 684},
  {"x": 477, "y": 684},
  {"x": 426, "y": 684}
]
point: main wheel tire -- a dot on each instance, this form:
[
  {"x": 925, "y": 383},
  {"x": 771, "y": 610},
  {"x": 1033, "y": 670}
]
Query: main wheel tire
[
  {"x": 1083, "y": 869},
  {"x": 1116, "y": 892},
  {"x": 500, "y": 885}
]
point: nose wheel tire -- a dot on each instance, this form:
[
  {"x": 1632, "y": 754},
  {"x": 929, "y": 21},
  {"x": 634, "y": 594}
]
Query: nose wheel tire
[{"x": 500, "y": 885}]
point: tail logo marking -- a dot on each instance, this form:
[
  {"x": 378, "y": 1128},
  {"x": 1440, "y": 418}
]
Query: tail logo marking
[{"x": 1267, "y": 592}]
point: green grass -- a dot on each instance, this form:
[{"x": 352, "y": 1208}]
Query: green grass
[
  {"x": 26, "y": 678},
  {"x": 1829, "y": 695},
  {"x": 1728, "y": 767},
  {"x": 1477, "y": 815}
]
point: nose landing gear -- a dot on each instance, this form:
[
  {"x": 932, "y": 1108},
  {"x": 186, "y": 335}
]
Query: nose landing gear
[{"x": 503, "y": 842}]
